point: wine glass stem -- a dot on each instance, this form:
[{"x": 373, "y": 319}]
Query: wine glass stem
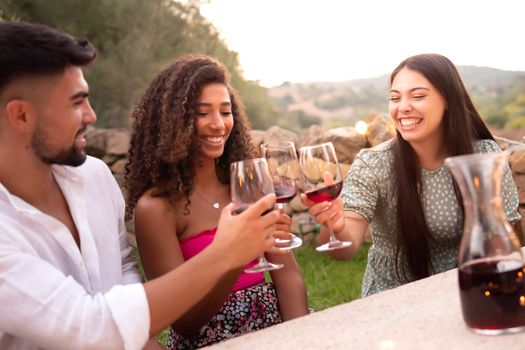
[
  {"x": 333, "y": 239},
  {"x": 280, "y": 208},
  {"x": 262, "y": 259}
]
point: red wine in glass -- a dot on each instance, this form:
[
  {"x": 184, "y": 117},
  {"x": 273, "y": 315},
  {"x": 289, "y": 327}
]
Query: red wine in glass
[
  {"x": 284, "y": 193},
  {"x": 284, "y": 168},
  {"x": 242, "y": 208},
  {"x": 322, "y": 194},
  {"x": 493, "y": 295},
  {"x": 322, "y": 181}
]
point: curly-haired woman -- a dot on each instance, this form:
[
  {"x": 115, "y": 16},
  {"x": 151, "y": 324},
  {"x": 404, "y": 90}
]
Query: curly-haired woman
[{"x": 188, "y": 127}]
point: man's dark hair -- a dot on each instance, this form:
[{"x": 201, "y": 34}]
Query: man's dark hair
[{"x": 36, "y": 49}]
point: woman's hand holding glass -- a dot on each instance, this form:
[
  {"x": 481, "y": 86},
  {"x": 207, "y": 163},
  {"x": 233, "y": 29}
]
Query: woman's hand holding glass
[
  {"x": 326, "y": 214},
  {"x": 283, "y": 233},
  {"x": 284, "y": 169},
  {"x": 322, "y": 183}
]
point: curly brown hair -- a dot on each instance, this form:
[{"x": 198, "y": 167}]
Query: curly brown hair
[{"x": 164, "y": 139}]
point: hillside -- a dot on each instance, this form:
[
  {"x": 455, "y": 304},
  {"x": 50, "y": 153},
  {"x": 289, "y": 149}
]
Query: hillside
[{"x": 343, "y": 103}]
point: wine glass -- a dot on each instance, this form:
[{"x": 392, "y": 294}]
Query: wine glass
[
  {"x": 285, "y": 172},
  {"x": 322, "y": 181},
  {"x": 250, "y": 180}
]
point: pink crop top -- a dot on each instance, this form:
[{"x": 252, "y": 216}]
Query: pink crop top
[{"x": 193, "y": 245}]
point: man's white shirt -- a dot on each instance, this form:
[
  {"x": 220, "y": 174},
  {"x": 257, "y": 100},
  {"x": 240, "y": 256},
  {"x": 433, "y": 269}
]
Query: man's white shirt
[{"x": 54, "y": 295}]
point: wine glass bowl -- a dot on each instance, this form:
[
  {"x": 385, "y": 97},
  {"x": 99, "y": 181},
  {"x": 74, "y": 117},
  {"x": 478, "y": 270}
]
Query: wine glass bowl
[
  {"x": 322, "y": 181},
  {"x": 325, "y": 194},
  {"x": 284, "y": 170},
  {"x": 250, "y": 180}
]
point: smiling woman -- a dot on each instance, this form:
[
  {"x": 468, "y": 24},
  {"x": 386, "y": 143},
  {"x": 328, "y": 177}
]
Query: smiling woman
[
  {"x": 402, "y": 189},
  {"x": 188, "y": 127},
  {"x": 215, "y": 120},
  {"x": 417, "y": 110}
]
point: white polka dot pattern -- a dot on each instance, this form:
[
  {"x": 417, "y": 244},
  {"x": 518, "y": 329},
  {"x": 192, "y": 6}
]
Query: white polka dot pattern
[{"x": 369, "y": 190}]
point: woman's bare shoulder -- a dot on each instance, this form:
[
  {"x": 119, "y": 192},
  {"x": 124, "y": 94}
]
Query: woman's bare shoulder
[{"x": 151, "y": 205}]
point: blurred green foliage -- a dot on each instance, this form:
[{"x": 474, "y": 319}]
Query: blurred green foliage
[
  {"x": 135, "y": 39},
  {"x": 498, "y": 95},
  {"x": 503, "y": 106}
]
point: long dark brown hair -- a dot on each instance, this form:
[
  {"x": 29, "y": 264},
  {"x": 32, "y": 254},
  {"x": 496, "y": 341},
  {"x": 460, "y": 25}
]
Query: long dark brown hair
[
  {"x": 164, "y": 141},
  {"x": 462, "y": 126}
]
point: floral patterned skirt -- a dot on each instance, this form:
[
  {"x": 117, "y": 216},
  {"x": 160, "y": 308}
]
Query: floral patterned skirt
[{"x": 244, "y": 311}]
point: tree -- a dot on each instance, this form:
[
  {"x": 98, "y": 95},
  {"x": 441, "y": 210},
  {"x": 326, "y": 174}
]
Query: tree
[
  {"x": 516, "y": 112},
  {"x": 135, "y": 39}
]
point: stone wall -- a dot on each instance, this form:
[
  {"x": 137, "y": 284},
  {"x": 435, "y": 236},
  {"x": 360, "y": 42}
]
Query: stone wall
[
  {"x": 517, "y": 165},
  {"x": 112, "y": 145}
]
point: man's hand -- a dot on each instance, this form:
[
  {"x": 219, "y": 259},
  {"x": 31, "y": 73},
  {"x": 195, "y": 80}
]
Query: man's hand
[{"x": 243, "y": 237}]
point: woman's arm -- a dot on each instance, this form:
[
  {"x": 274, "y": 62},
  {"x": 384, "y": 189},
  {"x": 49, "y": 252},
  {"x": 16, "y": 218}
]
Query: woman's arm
[
  {"x": 288, "y": 281},
  {"x": 289, "y": 284},
  {"x": 160, "y": 252},
  {"x": 347, "y": 225}
]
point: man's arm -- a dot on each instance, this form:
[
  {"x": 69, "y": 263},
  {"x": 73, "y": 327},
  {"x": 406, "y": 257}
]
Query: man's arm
[
  {"x": 51, "y": 310},
  {"x": 160, "y": 253}
]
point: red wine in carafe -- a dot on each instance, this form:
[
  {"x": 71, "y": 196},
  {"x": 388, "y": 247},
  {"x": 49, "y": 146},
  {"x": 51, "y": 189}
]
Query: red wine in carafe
[{"x": 493, "y": 294}]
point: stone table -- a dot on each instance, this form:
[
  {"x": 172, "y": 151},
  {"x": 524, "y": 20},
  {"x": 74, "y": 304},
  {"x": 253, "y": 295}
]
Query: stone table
[{"x": 425, "y": 314}]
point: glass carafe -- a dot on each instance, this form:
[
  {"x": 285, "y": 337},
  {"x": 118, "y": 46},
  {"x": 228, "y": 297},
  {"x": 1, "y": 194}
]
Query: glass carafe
[{"x": 490, "y": 262}]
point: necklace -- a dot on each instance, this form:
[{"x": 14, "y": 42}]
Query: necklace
[{"x": 215, "y": 205}]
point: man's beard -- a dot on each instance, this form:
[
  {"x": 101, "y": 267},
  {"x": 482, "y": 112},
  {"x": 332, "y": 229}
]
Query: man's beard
[{"x": 72, "y": 156}]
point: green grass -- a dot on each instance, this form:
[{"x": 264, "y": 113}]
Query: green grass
[{"x": 330, "y": 282}]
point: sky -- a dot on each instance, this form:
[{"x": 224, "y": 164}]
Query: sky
[{"x": 337, "y": 40}]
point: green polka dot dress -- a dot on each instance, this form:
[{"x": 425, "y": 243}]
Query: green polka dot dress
[{"x": 369, "y": 191}]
